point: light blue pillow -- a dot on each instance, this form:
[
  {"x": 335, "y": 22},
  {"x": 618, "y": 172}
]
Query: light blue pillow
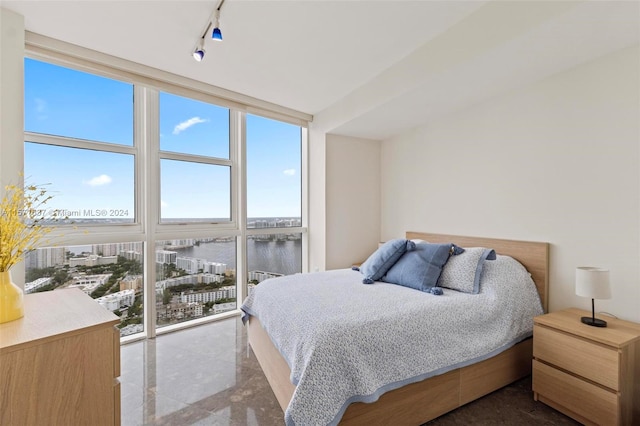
[
  {"x": 462, "y": 273},
  {"x": 420, "y": 268},
  {"x": 384, "y": 258}
]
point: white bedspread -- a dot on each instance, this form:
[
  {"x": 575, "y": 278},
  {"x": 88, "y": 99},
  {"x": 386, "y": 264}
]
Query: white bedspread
[{"x": 346, "y": 341}]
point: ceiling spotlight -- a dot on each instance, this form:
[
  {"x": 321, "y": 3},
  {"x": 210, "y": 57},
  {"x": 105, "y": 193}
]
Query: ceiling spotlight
[
  {"x": 216, "y": 34},
  {"x": 198, "y": 52},
  {"x": 214, "y": 22}
]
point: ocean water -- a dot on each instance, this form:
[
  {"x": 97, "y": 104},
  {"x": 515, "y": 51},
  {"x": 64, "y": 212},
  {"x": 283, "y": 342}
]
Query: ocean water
[{"x": 283, "y": 257}]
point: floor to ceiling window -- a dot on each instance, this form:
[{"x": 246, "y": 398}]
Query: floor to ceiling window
[
  {"x": 175, "y": 203},
  {"x": 274, "y": 198}
]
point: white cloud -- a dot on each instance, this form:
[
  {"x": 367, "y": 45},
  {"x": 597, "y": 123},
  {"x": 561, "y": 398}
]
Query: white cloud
[
  {"x": 290, "y": 172},
  {"x": 41, "y": 108},
  {"x": 41, "y": 105},
  {"x": 188, "y": 123},
  {"x": 99, "y": 180},
  {"x": 163, "y": 203}
]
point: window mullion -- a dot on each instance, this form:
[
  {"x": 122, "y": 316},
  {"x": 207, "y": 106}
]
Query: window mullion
[
  {"x": 148, "y": 190},
  {"x": 238, "y": 145},
  {"x": 78, "y": 143},
  {"x": 304, "y": 171},
  {"x": 164, "y": 155}
]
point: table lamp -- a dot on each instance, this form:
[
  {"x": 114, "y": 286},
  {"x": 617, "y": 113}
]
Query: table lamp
[{"x": 594, "y": 283}]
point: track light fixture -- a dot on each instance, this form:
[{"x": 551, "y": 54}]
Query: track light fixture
[
  {"x": 216, "y": 34},
  {"x": 198, "y": 52}
]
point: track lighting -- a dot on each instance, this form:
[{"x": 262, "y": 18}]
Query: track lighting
[
  {"x": 198, "y": 52},
  {"x": 216, "y": 34}
]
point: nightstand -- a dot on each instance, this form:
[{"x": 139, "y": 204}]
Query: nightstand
[
  {"x": 60, "y": 363},
  {"x": 588, "y": 373}
]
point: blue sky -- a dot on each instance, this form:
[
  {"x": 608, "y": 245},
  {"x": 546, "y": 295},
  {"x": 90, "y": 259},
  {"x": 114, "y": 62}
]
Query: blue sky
[{"x": 65, "y": 102}]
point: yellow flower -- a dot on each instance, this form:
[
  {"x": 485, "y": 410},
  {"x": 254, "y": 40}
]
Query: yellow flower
[{"x": 24, "y": 223}]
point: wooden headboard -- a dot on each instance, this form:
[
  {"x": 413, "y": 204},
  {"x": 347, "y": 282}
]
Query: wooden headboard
[{"x": 533, "y": 255}]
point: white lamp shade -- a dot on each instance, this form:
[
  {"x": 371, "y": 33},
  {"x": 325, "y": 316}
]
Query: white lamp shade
[{"x": 592, "y": 282}]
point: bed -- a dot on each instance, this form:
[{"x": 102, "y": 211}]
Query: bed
[{"x": 443, "y": 392}]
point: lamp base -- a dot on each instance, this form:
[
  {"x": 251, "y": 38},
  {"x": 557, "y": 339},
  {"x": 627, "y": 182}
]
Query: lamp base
[{"x": 594, "y": 321}]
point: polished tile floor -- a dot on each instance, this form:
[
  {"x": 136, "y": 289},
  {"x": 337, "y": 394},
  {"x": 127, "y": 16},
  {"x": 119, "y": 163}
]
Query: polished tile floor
[{"x": 207, "y": 375}]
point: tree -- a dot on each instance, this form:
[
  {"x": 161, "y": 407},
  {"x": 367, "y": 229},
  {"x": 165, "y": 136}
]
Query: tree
[
  {"x": 135, "y": 310},
  {"x": 60, "y": 277},
  {"x": 35, "y": 273},
  {"x": 166, "y": 296}
]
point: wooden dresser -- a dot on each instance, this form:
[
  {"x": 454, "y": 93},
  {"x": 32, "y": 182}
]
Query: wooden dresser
[
  {"x": 591, "y": 374},
  {"x": 60, "y": 363}
]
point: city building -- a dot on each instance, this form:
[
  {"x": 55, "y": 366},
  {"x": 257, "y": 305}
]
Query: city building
[
  {"x": 92, "y": 260},
  {"x": 189, "y": 264},
  {"x": 219, "y": 308},
  {"x": 166, "y": 256},
  {"x": 131, "y": 282},
  {"x": 130, "y": 329},
  {"x": 45, "y": 258},
  {"x": 115, "y": 301},
  {"x": 172, "y": 282},
  {"x": 208, "y": 295},
  {"x": 210, "y": 278},
  {"x": 88, "y": 283},
  {"x": 261, "y": 275},
  {"x": 214, "y": 268},
  {"x": 182, "y": 243},
  {"x": 131, "y": 255},
  {"x": 39, "y": 283}
]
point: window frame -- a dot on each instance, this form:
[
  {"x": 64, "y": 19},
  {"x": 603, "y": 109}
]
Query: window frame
[
  {"x": 147, "y": 84},
  {"x": 232, "y": 163}
]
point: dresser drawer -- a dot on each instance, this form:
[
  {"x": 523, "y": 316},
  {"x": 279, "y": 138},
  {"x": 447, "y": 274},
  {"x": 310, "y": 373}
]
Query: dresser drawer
[
  {"x": 581, "y": 357},
  {"x": 592, "y": 402}
]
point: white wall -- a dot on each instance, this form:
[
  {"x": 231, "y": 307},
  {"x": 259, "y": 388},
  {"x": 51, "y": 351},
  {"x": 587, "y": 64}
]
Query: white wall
[
  {"x": 11, "y": 107},
  {"x": 352, "y": 200},
  {"x": 557, "y": 161},
  {"x": 317, "y": 196},
  {"x": 11, "y": 96}
]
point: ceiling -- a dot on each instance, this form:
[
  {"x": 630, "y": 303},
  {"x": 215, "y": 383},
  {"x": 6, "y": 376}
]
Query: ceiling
[{"x": 367, "y": 69}]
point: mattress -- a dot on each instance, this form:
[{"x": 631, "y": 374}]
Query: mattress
[{"x": 345, "y": 341}]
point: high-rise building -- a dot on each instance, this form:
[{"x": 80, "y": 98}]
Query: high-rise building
[
  {"x": 105, "y": 249},
  {"x": 166, "y": 256},
  {"x": 45, "y": 258},
  {"x": 190, "y": 265},
  {"x": 214, "y": 268}
]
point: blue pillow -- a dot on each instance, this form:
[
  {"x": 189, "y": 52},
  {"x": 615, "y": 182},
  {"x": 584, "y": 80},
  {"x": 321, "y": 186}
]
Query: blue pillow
[
  {"x": 463, "y": 273},
  {"x": 420, "y": 268},
  {"x": 384, "y": 258}
]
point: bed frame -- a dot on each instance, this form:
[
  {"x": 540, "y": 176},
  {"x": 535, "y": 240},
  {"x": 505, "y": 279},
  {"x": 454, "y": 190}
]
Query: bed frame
[{"x": 420, "y": 402}]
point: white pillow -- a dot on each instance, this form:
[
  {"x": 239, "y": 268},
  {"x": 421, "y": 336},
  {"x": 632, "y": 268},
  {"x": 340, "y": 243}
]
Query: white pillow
[{"x": 463, "y": 272}]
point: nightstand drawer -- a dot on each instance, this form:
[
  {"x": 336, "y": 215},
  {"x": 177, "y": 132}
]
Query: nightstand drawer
[
  {"x": 592, "y": 402},
  {"x": 581, "y": 357}
]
